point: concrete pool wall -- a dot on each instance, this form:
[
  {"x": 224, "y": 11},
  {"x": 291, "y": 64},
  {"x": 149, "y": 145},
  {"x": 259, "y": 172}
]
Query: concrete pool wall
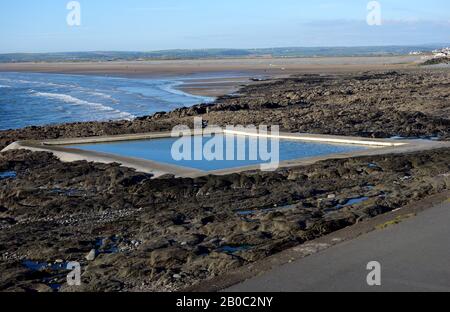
[{"x": 66, "y": 154}]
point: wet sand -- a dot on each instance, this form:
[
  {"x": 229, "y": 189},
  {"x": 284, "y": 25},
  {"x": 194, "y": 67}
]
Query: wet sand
[
  {"x": 187, "y": 67},
  {"x": 215, "y": 87},
  {"x": 238, "y": 71},
  {"x": 168, "y": 233}
]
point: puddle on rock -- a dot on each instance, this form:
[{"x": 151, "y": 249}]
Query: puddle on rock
[
  {"x": 8, "y": 175},
  {"x": 373, "y": 166},
  {"x": 353, "y": 201},
  {"x": 233, "y": 249},
  {"x": 45, "y": 266},
  {"x": 54, "y": 274},
  {"x": 107, "y": 245}
]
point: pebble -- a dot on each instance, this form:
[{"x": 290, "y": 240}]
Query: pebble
[{"x": 91, "y": 255}]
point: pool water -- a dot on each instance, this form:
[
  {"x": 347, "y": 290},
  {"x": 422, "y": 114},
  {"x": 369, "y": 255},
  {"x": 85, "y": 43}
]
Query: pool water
[{"x": 160, "y": 150}]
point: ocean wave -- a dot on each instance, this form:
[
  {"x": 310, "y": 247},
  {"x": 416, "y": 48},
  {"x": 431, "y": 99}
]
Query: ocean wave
[
  {"x": 76, "y": 101},
  {"x": 4, "y": 86},
  {"x": 36, "y": 83},
  {"x": 172, "y": 87},
  {"x": 102, "y": 95}
]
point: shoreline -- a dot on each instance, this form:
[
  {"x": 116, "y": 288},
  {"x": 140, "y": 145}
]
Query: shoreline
[
  {"x": 187, "y": 67},
  {"x": 238, "y": 72},
  {"x": 322, "y": 89},
  {"x": 185, "y": 231},
  {"x": 215, "y": 87}
]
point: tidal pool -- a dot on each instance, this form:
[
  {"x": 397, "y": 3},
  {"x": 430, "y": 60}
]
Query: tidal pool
[{"x": 235, "y": 152}]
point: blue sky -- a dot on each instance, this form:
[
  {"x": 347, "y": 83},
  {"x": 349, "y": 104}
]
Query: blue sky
[{"x": 144, "y": 25}]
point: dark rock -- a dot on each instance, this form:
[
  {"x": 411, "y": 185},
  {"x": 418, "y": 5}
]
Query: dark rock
[{"x": 55, "y": 210}]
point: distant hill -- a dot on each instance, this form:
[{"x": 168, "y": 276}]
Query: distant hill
[{"x": 213, "y": 53}]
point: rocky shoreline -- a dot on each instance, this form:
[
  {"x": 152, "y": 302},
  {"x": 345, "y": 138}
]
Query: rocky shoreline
[
  {"x": 368, "y": 104},
  {"x": 134, "y": 233}
]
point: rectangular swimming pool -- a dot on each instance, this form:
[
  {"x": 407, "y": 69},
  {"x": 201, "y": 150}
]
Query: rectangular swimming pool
[{"x": 160, "y": 150}]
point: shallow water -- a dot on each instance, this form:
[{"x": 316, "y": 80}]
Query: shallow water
[
  {"x": 160, "y": 150},
  {"x": 8, "y": 175},
  {"x": 234, "y": 249},
  {"x": 53, "y": 273},
  {"x": 39, "y": 266},
  {"x": 353, "y": 201},
  {"x": 30, "y": 99}
]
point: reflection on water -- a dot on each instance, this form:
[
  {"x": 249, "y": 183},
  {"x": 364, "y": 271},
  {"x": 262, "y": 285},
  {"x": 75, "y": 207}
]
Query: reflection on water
[{"x": 159, "y": 150}]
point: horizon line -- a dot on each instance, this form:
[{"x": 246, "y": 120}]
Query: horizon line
[{"x": 232, "y": 49}]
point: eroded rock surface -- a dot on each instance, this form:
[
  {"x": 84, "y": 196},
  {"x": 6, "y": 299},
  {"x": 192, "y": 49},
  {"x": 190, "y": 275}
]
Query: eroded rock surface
[
  {"x": 164, "y": 234},
  {"x": 140, "y": 233}
]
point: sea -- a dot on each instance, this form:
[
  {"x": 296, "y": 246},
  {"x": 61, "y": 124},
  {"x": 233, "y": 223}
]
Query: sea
[{"x": 35, "y": 99}]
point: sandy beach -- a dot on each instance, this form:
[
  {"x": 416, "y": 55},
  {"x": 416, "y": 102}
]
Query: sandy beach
[
  {"x": 185, "y": 67},
  {"x": 238, "y": 71},
  {"x": 187, "y": 231},
  {"x": 176, "y": 148}
]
